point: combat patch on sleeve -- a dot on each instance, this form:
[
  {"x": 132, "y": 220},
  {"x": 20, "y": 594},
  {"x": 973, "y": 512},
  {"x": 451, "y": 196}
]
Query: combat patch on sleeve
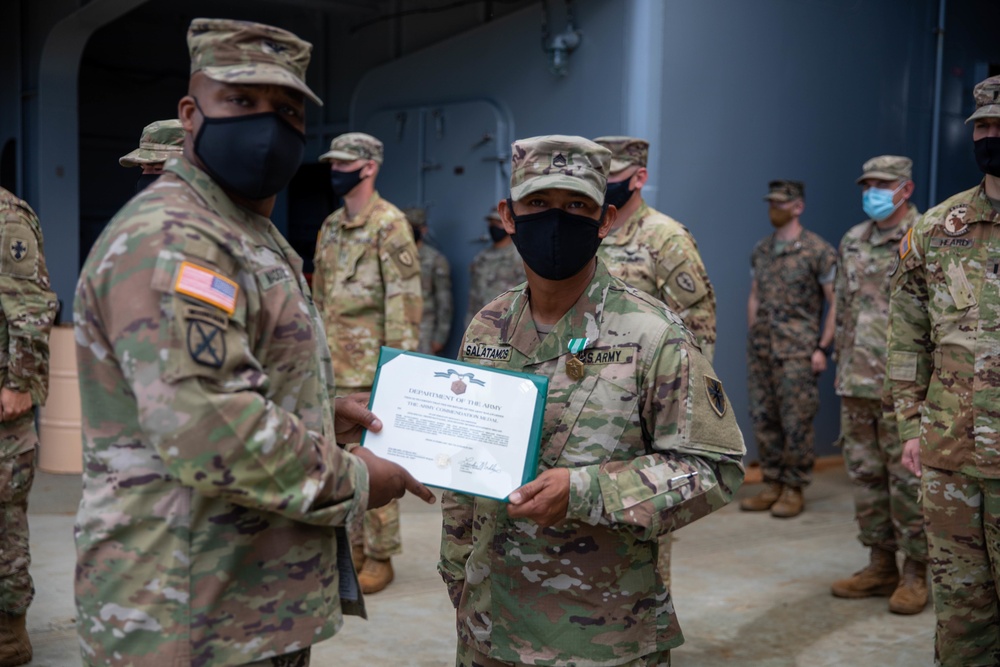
[
  {"x": 716, "y": 397},
  {"x": 207, "y": 286},
  {"x": 206, "y": 343},
  {"x": 903, "y": 366},
  {"x": 20, "y": 250}
]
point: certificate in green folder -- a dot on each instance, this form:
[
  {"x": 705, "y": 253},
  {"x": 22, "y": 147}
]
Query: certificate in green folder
[{"x": 457, "y": 426}]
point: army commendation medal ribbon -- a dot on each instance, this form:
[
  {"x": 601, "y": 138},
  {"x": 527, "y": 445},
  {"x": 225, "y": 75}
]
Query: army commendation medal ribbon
[{"x": 574, "y": 367}]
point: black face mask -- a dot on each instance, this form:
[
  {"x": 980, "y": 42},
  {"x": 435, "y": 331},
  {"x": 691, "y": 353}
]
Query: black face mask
[
  {"x": 345, "y": 181},
  {"x": 618, "y": 194},
  {"x": 555, "y": 244},
  {"x": 417, "y": 234},
  {"x": 988, "y": 155},
  {"x": 145, "y": 180},
  {"x": 498, "y": 234},
  {"x": 253, "y": 156}
]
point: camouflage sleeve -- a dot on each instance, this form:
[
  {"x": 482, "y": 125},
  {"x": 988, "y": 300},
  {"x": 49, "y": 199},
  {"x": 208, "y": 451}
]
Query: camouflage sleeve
[
  {"x": 840, "y": 300},
  {"x": 27, "y": 303},
  {"x": 442, "y": 300},
  {"x": 400, "y": 266},
  {"x": 826, "y": 265},
  {"x": 695, "y": 465},
  {"x": 200, "y": 394},
  {"x": 911, "y": 350},
  {"x": 684, "y": 286},
  {"x": 456, "y": 541},
  {"x": 318, "y": 285},
  {"x": 474, "y": 298}
]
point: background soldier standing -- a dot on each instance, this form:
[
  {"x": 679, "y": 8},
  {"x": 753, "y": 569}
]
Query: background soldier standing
[
  {"x": 159, "y": 141},
  {"x": 652, "y": 251},
  {"x": 634, "y": 443},
  {"x": 885, "y": 492},
  {"x": 27, "y": 309},
  {"x": 943, "y": 379},
  {"x": 211, "y": 529},
  {"x": 435, "y": 286},
  {"x": 793, "y": 272},
  {"x": 494, "y": 270},
  {"x": 367, "y": 287}
]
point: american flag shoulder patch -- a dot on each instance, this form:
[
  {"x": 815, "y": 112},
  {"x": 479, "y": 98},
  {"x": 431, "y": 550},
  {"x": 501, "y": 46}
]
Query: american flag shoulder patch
[{"x": 207, "y": 285}]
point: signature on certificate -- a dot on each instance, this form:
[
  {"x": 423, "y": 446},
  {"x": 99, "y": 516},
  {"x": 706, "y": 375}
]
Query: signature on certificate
[{"x": 469, "y": 463}]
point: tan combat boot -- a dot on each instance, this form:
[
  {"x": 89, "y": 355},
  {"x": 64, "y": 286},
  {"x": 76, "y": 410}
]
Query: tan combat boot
[
  {"x": 880, "y": 578},
  {"x": 15, "y": 648},
  {"x": 375, "y": 575},
  {"x": 790, "y": 503},
  {"x": 910, "y": 596},
  {"x": 763, "y": 500},
  {"x": 358, "y": 556}
]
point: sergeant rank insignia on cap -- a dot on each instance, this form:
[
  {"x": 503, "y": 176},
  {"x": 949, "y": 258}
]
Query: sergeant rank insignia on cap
[{"x": 716, "y": 397}]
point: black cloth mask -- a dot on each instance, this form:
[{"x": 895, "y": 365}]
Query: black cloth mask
[
  {"x": 988, "y": 155},
  {"x": 618, "y": 194},
  {"x": 345, "y": 181},
  {"x": 254, "y": 156},
  {"x": 497, "y": 234},
  {"x": 144, "y": 181},
  {"x": 555, "y": 244}
]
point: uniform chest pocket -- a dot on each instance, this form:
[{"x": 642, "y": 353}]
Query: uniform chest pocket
[
  {"x": 349, "y": 262},
  {"x": 598, "y": 411},
  {"x": 962, "y": 292}
]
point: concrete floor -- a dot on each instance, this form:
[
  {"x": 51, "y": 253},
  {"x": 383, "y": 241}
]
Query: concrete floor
[{"x": 749, "y": 590}]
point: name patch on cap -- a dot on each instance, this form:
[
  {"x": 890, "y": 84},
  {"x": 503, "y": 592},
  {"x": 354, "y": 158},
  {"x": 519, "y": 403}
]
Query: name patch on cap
[
  {"x": 208, "y": 286},
  {"x": 491, "y": 352}
]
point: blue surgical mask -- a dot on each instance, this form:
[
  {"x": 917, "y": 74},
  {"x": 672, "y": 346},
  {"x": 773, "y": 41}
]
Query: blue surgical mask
[{"x": 877, "y": 202}]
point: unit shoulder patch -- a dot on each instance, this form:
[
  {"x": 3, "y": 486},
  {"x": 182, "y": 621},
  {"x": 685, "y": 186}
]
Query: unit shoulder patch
[{"x": 716, "y": 396}]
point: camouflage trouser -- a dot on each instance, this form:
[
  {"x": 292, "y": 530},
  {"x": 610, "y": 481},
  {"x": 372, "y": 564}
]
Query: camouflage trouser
[
  {"x": 468, "y": 656},
  {"x": 16, "y": 475},
  {"x": 297, "y": 659},
  {"x": 784, "y": 400},
  {"x": 378, "y": 532},
  {"x": 886, "y": 502},
  {"x": 663, "y": 560},
  {"x": 963, "y": 536}
]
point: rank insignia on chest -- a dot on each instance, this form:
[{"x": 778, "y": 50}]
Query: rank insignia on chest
[
  {"x": 18, "y": 249},
  {"x": 716, "y": 397},
  {"x": 954, "y": 221},
  {"x": 206, "y": 343}
]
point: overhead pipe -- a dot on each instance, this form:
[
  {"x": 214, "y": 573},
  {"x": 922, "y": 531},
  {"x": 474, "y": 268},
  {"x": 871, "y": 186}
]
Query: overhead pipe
[{"x": 936, "y": 116}]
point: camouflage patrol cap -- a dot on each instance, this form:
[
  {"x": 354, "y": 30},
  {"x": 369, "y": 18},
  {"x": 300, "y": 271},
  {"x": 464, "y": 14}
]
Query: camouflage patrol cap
[
  {"x": 354, "y": 146},
  {"x": 243, "y": 52},
  {"x": 160, "y": 140},
  {"x": 559, "y": 161},
  {"x": 625, "y": 151},
  {"x": 887, "y": 168},
  {"x": 782, "y": 191},
  {"x": 416, "y": 216},
  {"x": 987, "y": 96}
]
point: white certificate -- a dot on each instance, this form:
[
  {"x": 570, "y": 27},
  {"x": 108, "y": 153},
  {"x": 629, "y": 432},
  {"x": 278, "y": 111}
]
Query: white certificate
[{"x": 455, "y": 425}]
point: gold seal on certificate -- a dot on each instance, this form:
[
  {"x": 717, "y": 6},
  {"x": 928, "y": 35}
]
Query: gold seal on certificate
[{"x": 456, "y": 425}]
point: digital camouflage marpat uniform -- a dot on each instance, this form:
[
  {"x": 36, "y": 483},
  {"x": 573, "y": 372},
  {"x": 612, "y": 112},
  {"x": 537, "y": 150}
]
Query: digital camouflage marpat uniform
[
  {"x": 367, "y": 287},
  {"x": 159, "y": 141},
  {"x": 211, "y": 526},
  {"x": 885, "y": 493},
  {"x": 656, "y": 254},
  {"x": 784, "y": 396},
  {"x": 943, "y": 379},
  {"x": 651, "y": 445},
  {"x": 27, "y": 309},
  {"x": 435, "y": 288},
  {"x": 493, "y": 271}
]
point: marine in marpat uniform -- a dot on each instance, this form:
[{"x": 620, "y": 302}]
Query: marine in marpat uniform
[
  {"x": 494, "y": 270},
  {"x": 27, "y": 309},
  {"x": 789, "y": 341},
  {"x": 211, "y": 528},
  {"x": 435, "y": 286},
  {"x": 944, "y": 381},
  {"x": 652, "y": 251},
  {"x": 638, "y": 439},
  {"x": 160, "y": 141},
  {"x": 885, "y": 493},
  {"x": 367, "y": 288}
]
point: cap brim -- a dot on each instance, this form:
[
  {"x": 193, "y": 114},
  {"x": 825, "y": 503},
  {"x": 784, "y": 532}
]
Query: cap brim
[
  {"x": 880, "y": 176},
  {"x": 987, "y": 111},
  {"x": 141, "y": 156},
  {"x": 620, "y": 165},
  {"x": 339, "y": 155},
  {"x": 260, "y": 73},
  {"x": 556, "y": 181}
]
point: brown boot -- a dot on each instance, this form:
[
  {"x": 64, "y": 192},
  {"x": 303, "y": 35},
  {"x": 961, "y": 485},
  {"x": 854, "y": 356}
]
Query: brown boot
[
  {"x": 880, "y": 577},
  {"x": 763, "y": 500},
  {"x": 910, "y": 596},
  {"x": 790, "y": 503},
  {"x": 15, "y": 648},
  {"x": 375, "y": 575},
  {"x": 358, "y": 556}
]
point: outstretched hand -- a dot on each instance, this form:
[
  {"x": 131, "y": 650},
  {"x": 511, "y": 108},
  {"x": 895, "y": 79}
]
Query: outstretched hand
[
  {"x": 388, "y": 480},
  {"x": 544, "y": 500}
]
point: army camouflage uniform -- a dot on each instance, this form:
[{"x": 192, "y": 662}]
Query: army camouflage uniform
[
  {"x": 784, "y": 396},
  {"x": 160, "y": 140},
  {"x": 651, "y": 446},
  {"x": 885, "y": 493},
  {"x": 435, "y": 285},
  {"x": 27, "y": 309},
  {"x": 367, "y": 287},
  {"x": 492, "y": 272},
  {"x": 210, "y": 531}
]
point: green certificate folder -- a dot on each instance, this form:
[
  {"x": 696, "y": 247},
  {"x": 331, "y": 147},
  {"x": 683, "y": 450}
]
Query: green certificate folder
[{"x": 455, "y": 425}]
